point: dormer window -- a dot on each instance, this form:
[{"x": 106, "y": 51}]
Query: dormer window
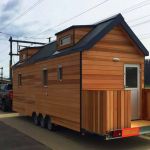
[{"x": 65, "y": 40}]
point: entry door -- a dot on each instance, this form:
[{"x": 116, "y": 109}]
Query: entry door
[{"x": 131, "y": 82}]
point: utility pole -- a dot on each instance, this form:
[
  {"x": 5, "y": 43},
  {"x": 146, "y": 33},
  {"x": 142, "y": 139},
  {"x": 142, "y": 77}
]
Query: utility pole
[
  {"x": 17, "y": 54},
  {"x": 10, "y": 61},
  {"x": 49, "y": 39}
]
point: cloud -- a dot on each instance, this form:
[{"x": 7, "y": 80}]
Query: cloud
[
  {"x": 8, "y": 11},
  {"x": 11, "y": 5},
  {"x": 4, "y": 18}
]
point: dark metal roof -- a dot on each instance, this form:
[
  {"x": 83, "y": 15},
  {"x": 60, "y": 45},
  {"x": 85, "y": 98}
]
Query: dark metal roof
[
  {"x": 99, "y": 30},
  {"x": 74, "y": 26},
  {"x": 28, "y": 47}
]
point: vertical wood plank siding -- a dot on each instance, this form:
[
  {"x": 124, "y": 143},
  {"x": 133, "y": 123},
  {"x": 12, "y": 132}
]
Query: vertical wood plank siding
[
  {"x": 106, "y": 110},
  {"x": 60, "y": 99},
  {"x": 146, "y": 104}
]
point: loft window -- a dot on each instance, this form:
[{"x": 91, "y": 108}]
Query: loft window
[
  {"x": 60, "y": 73},
  {"x": 19, "y": 79},
  {"x": 65, "y": 40},
  {"x": 45, "y": 77}
]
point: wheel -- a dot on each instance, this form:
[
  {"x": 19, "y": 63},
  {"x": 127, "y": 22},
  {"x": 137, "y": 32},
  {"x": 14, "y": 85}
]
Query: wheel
[
  {"x": 49, "y": 125},
  {"x": 42, "y": 122},
  {"x": 35, "y": 120}
]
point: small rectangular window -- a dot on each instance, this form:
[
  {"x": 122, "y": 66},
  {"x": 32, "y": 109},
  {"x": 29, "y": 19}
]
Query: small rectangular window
[
  {"x": 60, "y": 73},
  {"x": 19, "y": 79},
  {"x": 65, "y": 40},
  {"x": 45, "y": 77}
]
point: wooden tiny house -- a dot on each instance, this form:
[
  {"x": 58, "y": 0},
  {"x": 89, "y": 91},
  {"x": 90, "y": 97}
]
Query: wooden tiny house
[{"x": 89, "y": 80}]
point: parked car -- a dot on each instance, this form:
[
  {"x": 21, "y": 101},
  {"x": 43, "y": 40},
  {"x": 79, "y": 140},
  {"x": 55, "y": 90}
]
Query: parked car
[{"x": 6, "y": 95}]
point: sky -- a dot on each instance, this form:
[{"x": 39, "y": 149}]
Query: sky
[{"x": 37, "y": 20}]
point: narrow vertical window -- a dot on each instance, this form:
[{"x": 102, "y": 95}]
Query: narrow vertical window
[
  {"x": 19, "y": 79},
  {"x": 60, "y": 73},
  {"x": 45, "y": 77}
]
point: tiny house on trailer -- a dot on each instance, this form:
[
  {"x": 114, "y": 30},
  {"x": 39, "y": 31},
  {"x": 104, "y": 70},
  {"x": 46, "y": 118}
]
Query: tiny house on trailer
[{"x": 91, "y": 79}]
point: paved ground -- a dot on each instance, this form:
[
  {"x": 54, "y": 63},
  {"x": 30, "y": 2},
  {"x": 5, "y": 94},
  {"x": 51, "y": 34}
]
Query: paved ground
[
  {"x": 64, "y": 139},
  {"x": 11, "y": 139}
]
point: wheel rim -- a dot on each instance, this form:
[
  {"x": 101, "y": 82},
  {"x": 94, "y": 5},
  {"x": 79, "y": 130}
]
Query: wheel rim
[
  {"x": 35, "y": 120},
  {"x": 42, "y": 122},
  {"x": 49, "y": 125}
]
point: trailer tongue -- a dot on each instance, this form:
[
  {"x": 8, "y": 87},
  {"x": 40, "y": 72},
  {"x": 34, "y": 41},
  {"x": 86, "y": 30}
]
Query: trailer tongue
[{"x": 138, "y": 128}]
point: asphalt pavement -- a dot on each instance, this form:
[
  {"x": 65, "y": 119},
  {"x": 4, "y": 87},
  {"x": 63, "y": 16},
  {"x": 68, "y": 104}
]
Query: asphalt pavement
[
  {"x": 12, "y": 139},
  {"x": 64, "y": 139}
]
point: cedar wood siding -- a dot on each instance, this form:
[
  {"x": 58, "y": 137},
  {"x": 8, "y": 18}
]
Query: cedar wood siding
[
  {"x": 76, "y": 35},
  {"x": 98, "y": 69},
  {"x": 60, "y": 99},
  {"x": 103, "y": 82},
  {"x": 79, "y": 33},
  {"x": 61, "y": 35},
  {"x": 146, "y": 104},
  {"x": 28, "y": 52}
]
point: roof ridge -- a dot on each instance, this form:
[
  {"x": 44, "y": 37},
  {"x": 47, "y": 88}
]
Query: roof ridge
[{"x": 109, "y": 18}]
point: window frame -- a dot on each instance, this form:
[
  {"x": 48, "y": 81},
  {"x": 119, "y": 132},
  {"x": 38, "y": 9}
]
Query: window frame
[
  {"x": 63, "y": 38},
  {"x": 45, "y": 77},
  {"x": 19, "y": 79}
]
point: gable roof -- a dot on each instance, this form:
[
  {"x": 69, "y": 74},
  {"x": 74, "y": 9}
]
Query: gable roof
[
  {"x": 27, "y": 48},
  {"x": 74, "y": 26},
  {"x": 99, "y": 30}
]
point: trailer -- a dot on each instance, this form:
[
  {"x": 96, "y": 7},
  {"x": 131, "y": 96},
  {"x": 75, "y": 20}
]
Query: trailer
[{"x": 91, "y": 79}]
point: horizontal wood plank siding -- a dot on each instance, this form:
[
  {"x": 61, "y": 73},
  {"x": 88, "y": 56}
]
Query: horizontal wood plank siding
[
  {"x": 28, "y": 52},
  {"x": 60, "y": 99},
  {"x": 76, "y": 35},
  {"x": 61, "y": 35},
  {"x": 106, "y": 110},
  {"x": 100, "y": 71},
  {"x": 79, "y": 33},
  {"x": 146, "y": 104}
]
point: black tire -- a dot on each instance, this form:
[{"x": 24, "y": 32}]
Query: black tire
[
  {"x": 42, "y": 122},
  {"x": 49, "y": 125},
  {"x": 35, "y": 119}
]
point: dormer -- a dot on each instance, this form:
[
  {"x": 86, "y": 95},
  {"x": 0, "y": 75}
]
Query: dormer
[
  {"x": 70, "y": 36},
  {"x": 27, "y": 52}
]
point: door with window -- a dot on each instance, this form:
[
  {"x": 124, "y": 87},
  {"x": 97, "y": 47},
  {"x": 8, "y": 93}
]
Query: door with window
[{"x": 132, "y": 82}]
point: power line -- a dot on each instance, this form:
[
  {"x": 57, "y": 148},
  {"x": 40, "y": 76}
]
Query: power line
[
  {"x": 144, "y": 22},
  {"x": 137, "y": 6},
  {"x": 134, "y": 7},
  {"x": 143, "y": 38},
  {"x": 8, "y": 34},
  {"x": 139, "y": 18},
  {"x": 144, "y": 34},
  {"x": 74, "y": 17},
  {"x": 23, "y": 14}
]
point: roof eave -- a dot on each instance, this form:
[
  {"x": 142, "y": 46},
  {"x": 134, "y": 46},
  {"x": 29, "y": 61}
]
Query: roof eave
[{"x": 135, "y": 38}]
